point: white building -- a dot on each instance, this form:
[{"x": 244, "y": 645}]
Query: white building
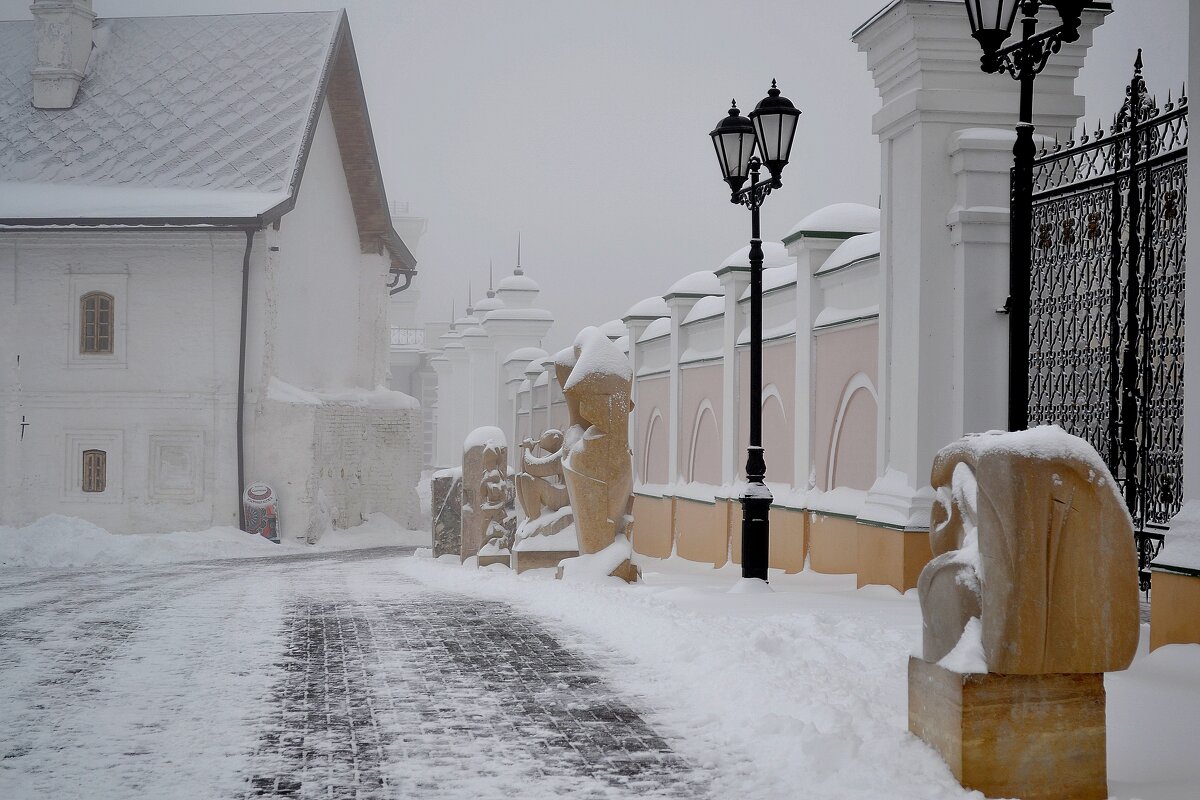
[{"x": 191, "y": 210}]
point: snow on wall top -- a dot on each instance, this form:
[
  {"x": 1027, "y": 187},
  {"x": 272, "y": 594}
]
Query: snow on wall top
[
  {"x": 184, "y": 103},
  {"x": 774, "y": 278},
  {"x": 838, "y": 218},
  {"x": 774, "y": 255},
  {"x": 650, "y": 307},
  {"x": 660, "y": 327},
  {"x": 856, "y": 248},
  {"x": 525, "y": 354},
  {"x": 702, "y": 282},
  {"x": 711, "y": 306},
  {"x": 614, "y": 329}
]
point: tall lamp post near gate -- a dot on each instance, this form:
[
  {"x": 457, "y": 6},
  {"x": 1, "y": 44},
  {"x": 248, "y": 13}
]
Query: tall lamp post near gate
[
  {"x": 991, "y": 25},
  {"x": 770, "y": 128}
]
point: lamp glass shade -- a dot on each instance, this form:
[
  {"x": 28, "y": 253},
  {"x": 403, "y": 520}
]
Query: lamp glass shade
[
  {"x": 993, "y": 18},
  {"x": 775, "y": 128},
  {"x": 733, "y": 139}
]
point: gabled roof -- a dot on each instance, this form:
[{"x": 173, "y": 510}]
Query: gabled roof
[{"x": 196, "y": 120}]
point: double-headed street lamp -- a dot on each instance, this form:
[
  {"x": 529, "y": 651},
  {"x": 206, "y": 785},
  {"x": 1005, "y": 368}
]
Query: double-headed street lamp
[
  {"x": 770, "y": 129},
  {"x": 991, "y": 25}
]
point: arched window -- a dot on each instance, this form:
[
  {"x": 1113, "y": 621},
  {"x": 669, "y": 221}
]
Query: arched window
[
  {"x": 96, "y": 323},
  {"x": 95, "y": 470}
]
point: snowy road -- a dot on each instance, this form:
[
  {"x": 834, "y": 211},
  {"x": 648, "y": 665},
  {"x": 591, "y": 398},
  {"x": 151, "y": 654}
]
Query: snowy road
[{"x": 323, "y": 675}]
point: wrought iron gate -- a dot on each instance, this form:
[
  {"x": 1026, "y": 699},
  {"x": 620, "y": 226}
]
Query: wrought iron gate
[{"x": 1106, "y": 301}]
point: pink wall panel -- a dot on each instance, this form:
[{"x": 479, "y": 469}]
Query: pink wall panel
[
  {"x": 650, "y": 447},
  {"x": 700, "y": 401},
  {"x": 779, "y": 368},
  {"x": 840, "y": 356}
]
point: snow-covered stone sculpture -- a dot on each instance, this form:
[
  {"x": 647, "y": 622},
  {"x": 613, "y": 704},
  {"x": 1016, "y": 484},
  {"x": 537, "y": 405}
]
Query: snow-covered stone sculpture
[
  {"x": 1030, "y": 598},
  {"x": 597, "y": 465},
  {"x": 547, "y": 534},
  {"x": 487, "y": 516}
]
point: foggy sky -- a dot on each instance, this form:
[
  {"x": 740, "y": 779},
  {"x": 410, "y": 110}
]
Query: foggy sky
[{"x": 583, "y": 125}]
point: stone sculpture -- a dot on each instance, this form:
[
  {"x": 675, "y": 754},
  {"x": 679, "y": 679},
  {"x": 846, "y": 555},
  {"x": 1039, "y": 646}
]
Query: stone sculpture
[
  {"x": 1030, "y": 597},
  {"x": 547, "y": 534},
  {"x": 596, "y": 380},
  {"x": 487, "y": 516},
  {"x": 1030, "y": 535}
]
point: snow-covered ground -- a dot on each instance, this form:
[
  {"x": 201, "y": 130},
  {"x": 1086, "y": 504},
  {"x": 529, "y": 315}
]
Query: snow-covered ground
[
  {"x": 160, "y": 668},
  {"x": 59, "y": 542},
  {"x": 802, "y": 691}
]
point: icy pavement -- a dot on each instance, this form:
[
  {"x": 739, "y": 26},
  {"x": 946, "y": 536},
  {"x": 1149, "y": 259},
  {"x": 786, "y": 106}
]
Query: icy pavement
[{"x": 322, "y": 675}]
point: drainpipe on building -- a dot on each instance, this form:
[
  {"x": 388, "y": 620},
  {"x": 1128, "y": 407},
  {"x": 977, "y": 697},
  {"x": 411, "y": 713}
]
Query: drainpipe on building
[{"x": 241, "y": 391}]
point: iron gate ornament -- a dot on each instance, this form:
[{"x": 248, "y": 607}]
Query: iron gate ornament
[{"x": 1106, "y": 326}]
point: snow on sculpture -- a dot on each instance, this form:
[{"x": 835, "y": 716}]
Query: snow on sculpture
[
  {"x": 1030, "y": 598},
  {"x": 487, "y": 516},
  {"x": 598, "y": 467}
]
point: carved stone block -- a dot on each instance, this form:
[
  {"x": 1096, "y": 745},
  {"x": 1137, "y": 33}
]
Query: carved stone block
[
  {"x": 1037, "y": 737},
  {"x": 446, "y": 512}
]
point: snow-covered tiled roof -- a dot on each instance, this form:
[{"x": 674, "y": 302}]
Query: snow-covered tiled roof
[
  {"x": 189, "y": 120},
  {"x": 838, "y": 220},
  {"x": 200, "y": 102}
]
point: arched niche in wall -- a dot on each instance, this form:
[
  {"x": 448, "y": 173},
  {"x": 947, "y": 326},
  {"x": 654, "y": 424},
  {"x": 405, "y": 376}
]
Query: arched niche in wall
[
  {"x": 852, "y": 446},
  {"x": 778, "y": 441},
  {"x": 704, "y": 456},
  {"x": 654, "y": 452}
]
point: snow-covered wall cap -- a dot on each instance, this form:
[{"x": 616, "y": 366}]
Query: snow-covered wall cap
[
  {"x": 525, "y": 354},
  {"x": 531, "y": 314},
  {"x": 775, "y": 278},
  {"x": 565, "y": 357},
  {"x": 650, "y": 308},
  {"x": 705, "y": 308},
  {"x": 488, "y": 435},
  {"x": 837, "y": 221},
  {"x": 614, "y": 329},
  {"x": 699, "y": 283},
  {"x": 657, "y": 329},
  {"x": 517, "y": 283},
  {"x": 600, "y": 364},
  {"x": 855, "y": 250},
  {"x": 774, "y": 255}
]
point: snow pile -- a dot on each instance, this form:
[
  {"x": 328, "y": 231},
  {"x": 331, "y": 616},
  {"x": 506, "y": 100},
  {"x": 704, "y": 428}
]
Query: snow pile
[
  {"x": 598, "y": 567},
  {"x": 854, "y": 249},
  {"x": 967, "y": 656},
  {"x": 597, "y": 359},
  {"x": 59, "y": 542},
  {"x": 1182, "y": 546}
]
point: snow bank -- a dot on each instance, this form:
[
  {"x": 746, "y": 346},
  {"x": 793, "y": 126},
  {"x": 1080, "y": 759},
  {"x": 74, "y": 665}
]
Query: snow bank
[
  {"x": 598, "y": 567},
  {"x": 58, "y": 541}
]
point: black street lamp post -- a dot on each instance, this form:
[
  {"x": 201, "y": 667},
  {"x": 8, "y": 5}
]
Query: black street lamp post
[
  {"x": 770, "y": 129},
  {"x": 991, "y": 25}
]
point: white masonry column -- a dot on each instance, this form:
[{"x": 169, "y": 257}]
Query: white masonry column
[
  {"x": 926, "y": 67},
  {"x": 811, "y": 250},
  {"x": 680, "y": 304},
  {"x": 442, "y": 435},
  {"x": 637, "y": 326},
  {"x": 734, "y": 280},
  {"x": 1191, "y": 350}
]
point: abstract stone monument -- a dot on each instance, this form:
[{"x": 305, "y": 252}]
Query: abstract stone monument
[
  {"x": 1030, "y": 598},
  {"x": 547, "y": 534},
  {"x": 488, "y": 520},
  {"x": 598, "y": 468},
  {"x": 446, "y": 511}
]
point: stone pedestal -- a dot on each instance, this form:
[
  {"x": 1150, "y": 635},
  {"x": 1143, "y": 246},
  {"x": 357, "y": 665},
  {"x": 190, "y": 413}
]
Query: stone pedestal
[
  {"x": 523, "y": 560},
  {"x": 1037, "y": 737},
  {"x": 446, "y": 512}
]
